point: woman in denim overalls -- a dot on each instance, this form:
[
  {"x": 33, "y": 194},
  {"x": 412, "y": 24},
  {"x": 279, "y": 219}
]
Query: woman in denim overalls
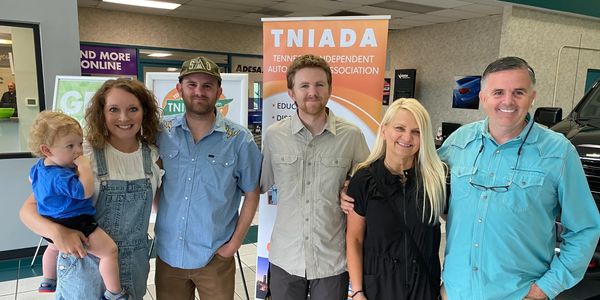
[{"x": 122, "y": 126}]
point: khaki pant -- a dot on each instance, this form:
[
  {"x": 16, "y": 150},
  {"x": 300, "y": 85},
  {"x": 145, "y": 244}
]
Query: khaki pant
[{"x": 215, "y": 281}]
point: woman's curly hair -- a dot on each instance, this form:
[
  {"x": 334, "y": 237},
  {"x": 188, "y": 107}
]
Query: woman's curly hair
[{"x": 96, "y": 132}]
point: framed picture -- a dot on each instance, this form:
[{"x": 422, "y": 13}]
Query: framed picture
[
  {"x": 386, "y": 90},
  {"x": 73, "y": 93},
  {"x": 466, "y": 92},
  {"x": 232, "y": 104}
]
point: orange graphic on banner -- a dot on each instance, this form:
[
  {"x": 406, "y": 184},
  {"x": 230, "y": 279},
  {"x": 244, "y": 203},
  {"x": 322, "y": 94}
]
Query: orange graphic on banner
[{"x": 354, "y": 48}]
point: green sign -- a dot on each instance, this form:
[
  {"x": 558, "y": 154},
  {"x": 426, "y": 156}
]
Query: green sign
[
  {"x": 177, "y": 106},
  {"x": 72, "y": 94},
  {"x": 174, "y": 107}
]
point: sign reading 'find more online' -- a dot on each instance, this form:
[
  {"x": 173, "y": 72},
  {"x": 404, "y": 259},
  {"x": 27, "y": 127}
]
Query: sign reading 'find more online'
[{"x": 107, "y": 60}]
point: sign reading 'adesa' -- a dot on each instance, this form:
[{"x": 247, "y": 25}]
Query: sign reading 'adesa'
[
  {"x": 312, "y": 38},
  {"x": 248, "y": 69}
]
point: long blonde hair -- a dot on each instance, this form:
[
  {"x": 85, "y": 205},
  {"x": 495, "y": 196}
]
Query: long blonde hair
[{"x": 427, "y": 163}]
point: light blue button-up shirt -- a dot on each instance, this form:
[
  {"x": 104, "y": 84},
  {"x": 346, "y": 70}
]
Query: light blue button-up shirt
[
  {"x": 202, "y": 188},
  {"x": 499, "y": 243}
]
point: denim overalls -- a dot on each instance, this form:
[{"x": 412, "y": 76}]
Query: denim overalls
[{"x": 123, "y": 211}]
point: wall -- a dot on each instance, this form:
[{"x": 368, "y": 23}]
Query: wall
[
  {"x": 26, "y": 77},
  {"x": 440, "y": 52},
  {"x": 60, "y": 36},
  {"x": 115, "y": 27},
  {"x": 60, "y": 54},
  {"x": 538, "y": 37}
]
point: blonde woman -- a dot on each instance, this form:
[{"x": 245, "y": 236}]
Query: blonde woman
[{"x": 393, "y": 234}]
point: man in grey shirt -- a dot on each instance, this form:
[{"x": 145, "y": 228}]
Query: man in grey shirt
[{"x": 307, "y": 157}]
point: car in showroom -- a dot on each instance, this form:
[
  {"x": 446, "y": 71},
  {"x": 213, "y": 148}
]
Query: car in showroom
[{"x": 582, "y": 128}]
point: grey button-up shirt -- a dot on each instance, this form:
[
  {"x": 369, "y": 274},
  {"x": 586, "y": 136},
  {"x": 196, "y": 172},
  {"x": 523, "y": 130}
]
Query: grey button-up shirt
[{"x": 308, "y": 238}]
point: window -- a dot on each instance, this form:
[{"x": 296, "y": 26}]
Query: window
[{"x": 21, "y": 85}]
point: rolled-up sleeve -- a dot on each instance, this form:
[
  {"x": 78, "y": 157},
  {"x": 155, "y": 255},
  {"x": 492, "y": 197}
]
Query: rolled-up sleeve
[{"x": 581, "y": 222}]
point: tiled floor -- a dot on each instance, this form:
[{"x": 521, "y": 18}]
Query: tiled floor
[{"x": 26, "y": 288}]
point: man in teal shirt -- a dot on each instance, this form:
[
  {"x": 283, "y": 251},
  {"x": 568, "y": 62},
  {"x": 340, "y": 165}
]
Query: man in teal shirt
[{"x": 510, "y": 180}]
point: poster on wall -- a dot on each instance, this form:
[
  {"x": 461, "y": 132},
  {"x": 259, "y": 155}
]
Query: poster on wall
[
  {"x": 404, "y": 83},
  {"x": 232, "y": 104},
  {"x": 5, "y": 56},
  {"x": 73, "y": 93},
  {"x": 387, "y": 82},
  {"x": 7, "y": 71},
  {"x": 466, "y": 92},
  {"x": 355, "y": 48},
  {"x": 95, "y": 60}
]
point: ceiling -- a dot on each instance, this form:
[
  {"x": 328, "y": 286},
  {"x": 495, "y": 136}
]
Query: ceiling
[{"x": 404, "y": 13}]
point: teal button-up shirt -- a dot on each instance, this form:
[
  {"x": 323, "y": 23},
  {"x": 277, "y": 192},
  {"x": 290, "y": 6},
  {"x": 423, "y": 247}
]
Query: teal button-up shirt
[{"x": 499, "y": 243}]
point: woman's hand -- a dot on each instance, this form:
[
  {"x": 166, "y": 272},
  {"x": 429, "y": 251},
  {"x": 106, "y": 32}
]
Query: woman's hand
[
  {"x": 66, "y": 240},
  {"x": 70, "y": 241}
]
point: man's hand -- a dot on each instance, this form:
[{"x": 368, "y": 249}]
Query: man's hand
[
  {"x": 346, "y": 202},
  {"x": 229, "y": 249},
  {"x": 360, "y": 296},
  {"x": 71, "y": 241},
  {"x": 535, "y": 293}
]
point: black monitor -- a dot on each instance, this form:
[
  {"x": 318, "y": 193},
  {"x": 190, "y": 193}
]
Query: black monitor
[{"x": 448, "y": 128}]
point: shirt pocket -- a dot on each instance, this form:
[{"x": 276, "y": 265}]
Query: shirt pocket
[
  {"x": 220, "y": 168},
  {"x": 170, "y": 158},
  {"x": 459, "y": 183},
  {"x": 287, "y": 171},
  {"x": 526, "y": 186},
  {"x": 331, "y": 174}
]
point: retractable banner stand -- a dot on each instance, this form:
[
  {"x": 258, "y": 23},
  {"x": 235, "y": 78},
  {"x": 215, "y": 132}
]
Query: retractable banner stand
[{"x": 355, "y": 48}]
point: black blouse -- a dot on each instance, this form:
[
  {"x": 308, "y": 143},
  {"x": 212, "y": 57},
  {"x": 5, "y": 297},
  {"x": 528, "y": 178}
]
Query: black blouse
[{"x": 397, "y": 234}]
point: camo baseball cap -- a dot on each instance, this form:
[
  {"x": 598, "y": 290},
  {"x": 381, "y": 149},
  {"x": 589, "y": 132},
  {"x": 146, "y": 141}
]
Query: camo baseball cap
[{"x": 200, "y": 64}]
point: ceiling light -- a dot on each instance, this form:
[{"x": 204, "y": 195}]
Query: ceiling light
[
  {"x": 5, "y": 42},
  {"x": 146, "y": 3},
  {"x": 159, "y": 54}
]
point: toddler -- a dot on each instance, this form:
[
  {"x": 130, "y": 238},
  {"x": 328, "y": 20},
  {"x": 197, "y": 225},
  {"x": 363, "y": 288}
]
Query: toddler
[{"x": 63, "y": 184}]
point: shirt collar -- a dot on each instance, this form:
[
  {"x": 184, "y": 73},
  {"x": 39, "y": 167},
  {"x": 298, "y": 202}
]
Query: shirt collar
[
  {"x": 297, "y": 124},
  {"x": 391, "y": 179},
  {"x": 219, "y": 124},
  {"x": 484, "y": 130}
]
